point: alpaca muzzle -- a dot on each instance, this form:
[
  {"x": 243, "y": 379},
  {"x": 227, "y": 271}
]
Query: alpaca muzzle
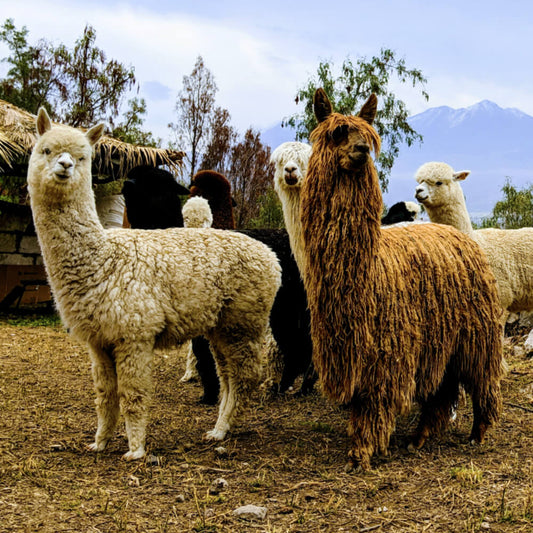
[
  {"x": 421, "y": 195},
  {"x": 64, "y": 167}
]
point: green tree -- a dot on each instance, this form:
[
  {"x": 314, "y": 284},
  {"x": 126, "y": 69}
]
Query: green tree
[
  {"x": 194, "y": 107},
  {"x": 348, "y": 90},
  {"x": 270, "y": 211},
  {"x": 130, "y": 128},
  {"x": 33, "y": 72},
  {"x": 79, "y": 86},
  {"x": 93, "y": 87},
  {"x": 514, "y": 211}
]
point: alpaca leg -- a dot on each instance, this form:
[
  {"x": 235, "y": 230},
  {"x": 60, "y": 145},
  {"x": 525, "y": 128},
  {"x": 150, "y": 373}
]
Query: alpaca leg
[
  {"x": 207, "y": 370},
  {"x": 239, "y": 368},
  {"x": 309, "y": 380},
  {"x": 437, "y": 411},
  {"x": 135, "y": 387},
  {"x": 487, "y": 407},
  {"x": 370, "y": 427},
  {"x": 191, "y": 373},
  {"x": 107, "y": 405}
]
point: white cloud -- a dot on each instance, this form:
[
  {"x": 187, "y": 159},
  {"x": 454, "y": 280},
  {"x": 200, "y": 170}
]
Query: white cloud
[{"x": 261, "y": 55}]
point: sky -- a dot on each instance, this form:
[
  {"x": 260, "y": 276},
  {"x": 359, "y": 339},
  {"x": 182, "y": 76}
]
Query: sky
[{"x": 261, "y": 53}]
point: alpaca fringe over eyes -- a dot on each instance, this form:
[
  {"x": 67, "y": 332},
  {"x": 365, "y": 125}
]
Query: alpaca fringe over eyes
[{"x": 397, "y": 315}]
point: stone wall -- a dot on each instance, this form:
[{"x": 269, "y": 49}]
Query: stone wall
[
  {"x": 18, "y": 242},
  {"x": 21, "y": 264}
]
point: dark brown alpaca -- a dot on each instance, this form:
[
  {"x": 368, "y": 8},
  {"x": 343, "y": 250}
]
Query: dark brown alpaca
[
  {"x": 216, "y": 189},
  {"x": 397, "y": 315}
]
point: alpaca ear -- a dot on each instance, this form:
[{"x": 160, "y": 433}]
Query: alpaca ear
[
  {"x": 369, "y": 109},
  {"x": 95, "y": 133},
  {"x": 321, "y": 105},
  {"x": 43, "y": 122},
  {"x": 461, "y": 175}
]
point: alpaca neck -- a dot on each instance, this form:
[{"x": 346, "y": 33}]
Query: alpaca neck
[
  {"x": 69, "y": 232},
  {"x": 454, "y": 214},
  {"x": 291, "y": 214},
  {"x": 346, "y": 228}
]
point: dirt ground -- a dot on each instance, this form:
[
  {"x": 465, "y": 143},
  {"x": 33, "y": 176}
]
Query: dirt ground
[{"x": 287, "y": 455}]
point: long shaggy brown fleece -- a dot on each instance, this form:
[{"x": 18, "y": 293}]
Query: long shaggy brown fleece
[{"x": 399, "y": 314}]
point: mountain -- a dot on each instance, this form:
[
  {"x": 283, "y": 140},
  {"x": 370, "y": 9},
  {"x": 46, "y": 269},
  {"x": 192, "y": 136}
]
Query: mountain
[{"x": 490, "y": 141}]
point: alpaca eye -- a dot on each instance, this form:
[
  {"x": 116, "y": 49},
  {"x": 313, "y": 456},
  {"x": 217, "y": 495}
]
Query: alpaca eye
[
  {"x": 439, "y": 183},
  {"x": 339, "y": 133},
  {"x": 82, "y": 158},
  {"x": 47, "y": 151}
]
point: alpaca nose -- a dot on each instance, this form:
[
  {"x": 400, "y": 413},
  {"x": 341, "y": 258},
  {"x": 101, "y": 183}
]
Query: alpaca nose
[
  {"x": 419, "y": 194},
  {"x": 289, "y": 169},
  {"x": 65, "y": 162}
]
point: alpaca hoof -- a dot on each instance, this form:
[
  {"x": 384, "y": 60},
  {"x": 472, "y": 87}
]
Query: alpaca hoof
[
  {"x": 411, "y": 448},
  {"x": 215, "y": 434},
  {"x": 97, "y": 447},
  {"x": 132, "y": 456},
  {"x": 359, "y": 462},
  {"x": 188, "y": 377}
]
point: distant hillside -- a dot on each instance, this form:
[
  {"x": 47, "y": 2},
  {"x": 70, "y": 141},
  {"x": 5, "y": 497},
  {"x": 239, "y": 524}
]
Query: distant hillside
[{"x": 490, "y": 141}]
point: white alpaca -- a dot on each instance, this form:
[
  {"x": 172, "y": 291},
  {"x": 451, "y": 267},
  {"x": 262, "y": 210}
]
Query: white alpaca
[
  {"x": 510, "y": 252},
  {"x": 290, "y": 160},
  {"x": 125, "y": 292},
  {"x": 197, "y": 213}
]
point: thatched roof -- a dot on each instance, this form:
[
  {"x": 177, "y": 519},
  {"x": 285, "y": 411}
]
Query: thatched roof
[{"x": 113, "y": 159}]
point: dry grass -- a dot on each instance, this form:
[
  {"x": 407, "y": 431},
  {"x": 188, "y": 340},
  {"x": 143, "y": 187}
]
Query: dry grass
[{"x": 287, "y": 455}]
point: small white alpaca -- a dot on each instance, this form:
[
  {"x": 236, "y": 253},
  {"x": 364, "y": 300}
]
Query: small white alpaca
[
  {"x": 510, "y": 252},
  {"x": 197, "y": 213},
  {"x": 125, "y": 292}
]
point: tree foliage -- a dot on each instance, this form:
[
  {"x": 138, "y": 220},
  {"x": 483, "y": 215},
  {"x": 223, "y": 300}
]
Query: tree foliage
[
  {"x": 270, "y": 211},
  {"x": 194, "y": 107},
  {"x": 93, "y": 87},
  {"x": 222, "y": 136},
  {"x": 347, "y": 92},
  {"x": 33, "y": 72},
  {"x": 79, "y": 86},
  {"x": 130, "y": 128},
  {"x": 250, "y": 176},
  {"x": 514, "y": 211}
]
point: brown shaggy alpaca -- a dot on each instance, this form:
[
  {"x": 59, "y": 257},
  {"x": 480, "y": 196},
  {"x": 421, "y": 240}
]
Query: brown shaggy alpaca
[
  {"x": 216, "y": 189},
  {"x": 402, "y": 315}
]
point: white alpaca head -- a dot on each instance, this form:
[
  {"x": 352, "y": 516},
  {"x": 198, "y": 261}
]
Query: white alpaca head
[
  {"x": 413, "y": 208},
  {"x": 60, "y": 163},
  {"x": 290, "y": 160},
  {"x": 438, "y": 184},
  {"x": 197, "y": 213}
]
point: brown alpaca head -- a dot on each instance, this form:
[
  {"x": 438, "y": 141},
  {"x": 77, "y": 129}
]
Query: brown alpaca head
[
  {"x": 216, "y": 189},
  {"x": 351, "y": 138}
]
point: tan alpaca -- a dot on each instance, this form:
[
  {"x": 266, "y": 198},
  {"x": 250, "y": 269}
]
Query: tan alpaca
[
  {"x": 125, "y": 291},
  {"x": 509, "y": 251}
]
